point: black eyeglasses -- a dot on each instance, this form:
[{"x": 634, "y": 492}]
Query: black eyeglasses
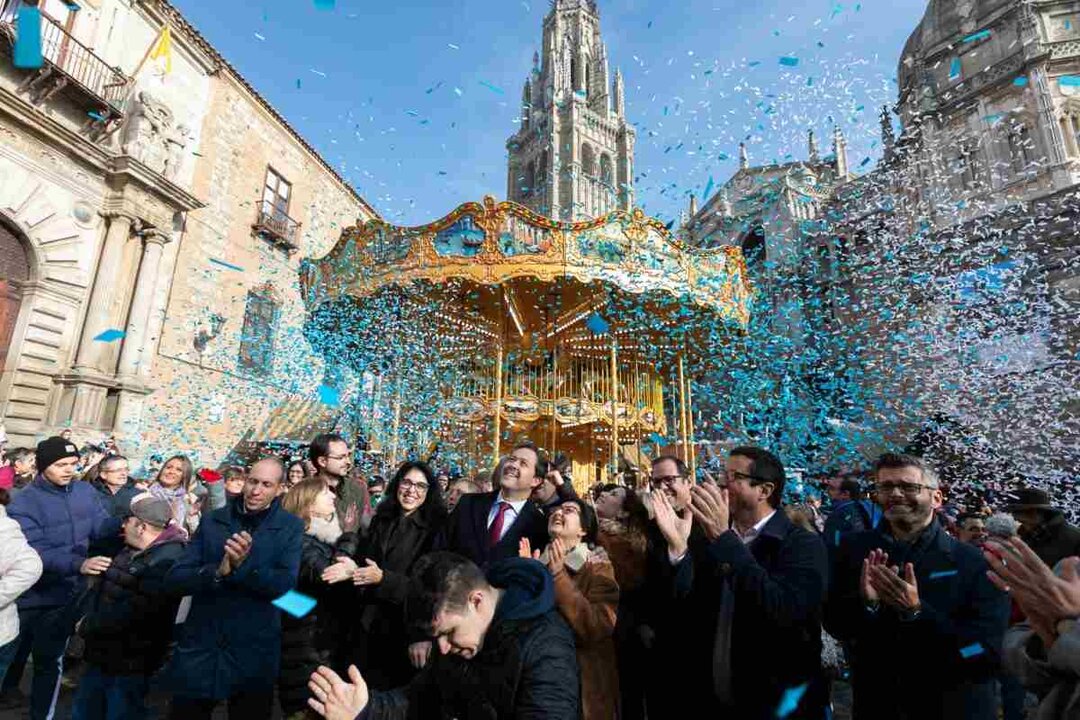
[
  {"x": 668, "y": 480},
  {"x": 733, "y": 475}
]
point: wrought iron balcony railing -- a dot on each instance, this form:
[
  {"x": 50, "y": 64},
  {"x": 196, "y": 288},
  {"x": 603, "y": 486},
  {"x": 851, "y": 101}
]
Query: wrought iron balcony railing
[
  {"x": 76, "y": 64},
  {"x": 275, "y": 225}
]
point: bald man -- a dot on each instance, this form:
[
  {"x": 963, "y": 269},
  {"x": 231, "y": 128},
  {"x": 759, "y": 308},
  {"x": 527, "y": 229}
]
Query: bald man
[{"x": 243, "y": 557}]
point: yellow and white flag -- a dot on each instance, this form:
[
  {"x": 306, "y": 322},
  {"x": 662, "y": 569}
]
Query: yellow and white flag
[{"x": 161, "y": 54}]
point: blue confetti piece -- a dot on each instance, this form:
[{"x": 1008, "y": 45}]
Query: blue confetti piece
[
  {"x": 27, "y": 53},
  {"x": 96, "y": 116},
  {"x": 955, "y": 69},
  {"x": 296, "y": 604},
  {"x": 993, "y": 118},
  {"x": 110, "y": 335},
  {"x": 865, "y": 162},
  {"x": 492, "y": 88},
  {"x": 708, "y": 189},
  {"x": 971, "y": 650},
  {"x": 1069, "y": 81},
  {"x": 942, "y": 574},
  {"x": 657, "y": 439},
  {"x": 981, "y": 35},
  {"x": 324, "y": 4},
  {"x": 836, "y": 538},
  {"x": 597, "y": 324},
  {"x": 1020, "y": 81},
  {"x": 329, "y": 395},
  {"x": 224, "y": 264},
  {"x": 789, "y": 61},
  {"x": 790, "y": 700}
]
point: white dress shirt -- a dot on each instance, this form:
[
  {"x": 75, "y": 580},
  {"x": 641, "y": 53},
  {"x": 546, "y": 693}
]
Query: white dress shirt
[
  {"x": 753, "y": 532},
  {"x": 511, "y": 514}
]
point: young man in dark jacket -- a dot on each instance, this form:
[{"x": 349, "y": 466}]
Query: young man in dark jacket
[
  {"x": 503, "y": 650},
  {"x": 129, "y": 617},
  {"x": 242, "y": 558},
  {"x": 60, "y": 517},
  {"x": 915, "y": 606}
]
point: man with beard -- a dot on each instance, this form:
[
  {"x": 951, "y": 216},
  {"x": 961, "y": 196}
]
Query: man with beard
[
  {"x": 488, "y": 527},
  {"x": 923, "y": 621},
  {"x": 332, "y": 458}
]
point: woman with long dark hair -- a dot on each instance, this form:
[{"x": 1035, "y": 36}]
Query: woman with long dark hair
[{"x": 403, "y": 529}]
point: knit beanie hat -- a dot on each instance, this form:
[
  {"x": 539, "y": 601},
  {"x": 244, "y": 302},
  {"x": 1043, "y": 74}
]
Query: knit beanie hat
[{"x": 52, "y": 449}]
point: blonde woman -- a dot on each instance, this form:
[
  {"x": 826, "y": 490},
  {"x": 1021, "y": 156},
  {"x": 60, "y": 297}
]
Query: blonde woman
[
  {"x": 172, "y": 484},
  {"x": 311, "y": 641}
]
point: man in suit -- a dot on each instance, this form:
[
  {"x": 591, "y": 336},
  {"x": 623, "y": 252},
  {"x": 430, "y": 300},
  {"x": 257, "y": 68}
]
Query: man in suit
[
  {"x": 487, "y": 527},
  {"x": 763, "y": 580}
]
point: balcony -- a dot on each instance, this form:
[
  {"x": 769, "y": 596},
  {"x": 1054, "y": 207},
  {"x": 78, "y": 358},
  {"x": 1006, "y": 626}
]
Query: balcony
[
  {"x": 68, "y": 64},
  {"x": 274, "y": 225}
]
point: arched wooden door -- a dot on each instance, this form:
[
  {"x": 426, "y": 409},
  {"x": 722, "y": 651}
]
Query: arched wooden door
[{"x": 14, "y": 268}]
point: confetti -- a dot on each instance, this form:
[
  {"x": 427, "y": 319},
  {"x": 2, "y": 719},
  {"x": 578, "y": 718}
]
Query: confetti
[
  {"x": 324, "y": 5},
  {"x": 296, "y": 604},
  {"x": 329, "y": 396},
  {"x": 27, "y": 54},
  {"x": 974, "y": 37},
  {"x": 110, "y": 335},
  {"x": 491, "y": 87},
  {"x": 224, "y": 264},
  {"x": 597, "y": 325},
  {"x": 971, "y": 651},
  {"x": 789, "y": 61},
  {"x": 789, "y": 702},
  {"x": 942, "y": 574}
]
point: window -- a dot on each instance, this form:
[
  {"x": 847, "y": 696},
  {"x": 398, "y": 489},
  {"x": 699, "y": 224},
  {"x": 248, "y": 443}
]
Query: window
[
  {"x": 606, "y": 175},
  {"x": 588, "y": 160},
  {"x": 753, "y": 247},
  {"x": 1020, "y": 148},
  {"x": 257, "y": 336},
  {"x": 276, "y": 194}
]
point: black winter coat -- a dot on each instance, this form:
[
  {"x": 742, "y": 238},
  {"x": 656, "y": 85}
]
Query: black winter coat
[
  {"x": 311, "y": 641},
  {"x": 129, "y": 617},
  {"x": 381, "y": 639},
  {"x": 941, "y": 665},
  {"x": 466, "y": 531},
  {"x": 526, "y": 669},
  {"x": 1055, "y": 539}
]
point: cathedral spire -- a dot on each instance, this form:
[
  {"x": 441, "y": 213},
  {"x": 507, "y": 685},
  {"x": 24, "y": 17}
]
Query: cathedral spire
[
  {"x": 744, "y": 157},
  {"x": 888, "y": 137},
  {"x": 840, "y": 150},
  {"x": 619, "y": 95},
  {"x": 811, "y": 141}
]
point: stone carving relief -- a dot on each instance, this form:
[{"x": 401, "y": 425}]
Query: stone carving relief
[{"x": 152, "y": 137}]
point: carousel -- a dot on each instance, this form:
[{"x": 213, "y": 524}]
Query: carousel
[{"x": 495, "y": 323}]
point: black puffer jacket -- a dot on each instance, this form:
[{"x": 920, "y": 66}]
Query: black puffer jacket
[
  {"x": 526, "y": 669},
  {"x": 312, "y": 640},
  {"x": 129, "y": 620}
]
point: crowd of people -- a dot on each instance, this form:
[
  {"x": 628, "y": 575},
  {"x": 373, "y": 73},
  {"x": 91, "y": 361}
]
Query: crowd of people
[{"x": 511, "y": 596}]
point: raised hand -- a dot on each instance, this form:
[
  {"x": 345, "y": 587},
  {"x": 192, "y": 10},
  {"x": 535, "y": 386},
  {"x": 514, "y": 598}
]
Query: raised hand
[
  {"x": 711, "y": 508},
  {"x": 370, "y": 574},
  {"x": 866, "y": 588},
  {"x": 898, "y": 592},
  {"x": 335, "y": 699},
  {"x": 675, "y": 529},
  {"x": 342, "y": 569},
  {"x": 1043, "y": 596},
  {"x": 556, "y": 556}
]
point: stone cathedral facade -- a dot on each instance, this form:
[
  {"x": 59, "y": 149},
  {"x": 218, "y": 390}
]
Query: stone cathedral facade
[{"x": 572, "y": 158}]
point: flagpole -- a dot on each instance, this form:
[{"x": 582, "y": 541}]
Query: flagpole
[{"x": 149, "y": 51}]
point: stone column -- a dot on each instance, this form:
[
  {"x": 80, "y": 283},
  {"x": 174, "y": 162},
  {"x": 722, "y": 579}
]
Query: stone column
[
  {"x": 134, "y": 353},
  {"x": 92, "y": 355},
  {"x": 141, "y": 304}
]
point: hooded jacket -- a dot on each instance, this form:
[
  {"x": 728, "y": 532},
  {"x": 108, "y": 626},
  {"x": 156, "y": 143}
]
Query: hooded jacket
[
  {"x": 59, "y": 522},
  {"x": 129, "y": 619},
  {"x": 20, "y": 568},
  {"x": 526, "y": 668}
]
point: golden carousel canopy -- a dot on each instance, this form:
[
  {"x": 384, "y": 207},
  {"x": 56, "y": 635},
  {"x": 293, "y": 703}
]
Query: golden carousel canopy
[{"x": 497, "y": 313}]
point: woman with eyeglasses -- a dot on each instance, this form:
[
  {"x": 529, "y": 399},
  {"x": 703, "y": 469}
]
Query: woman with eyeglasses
[{"x": 403, "y": 529}]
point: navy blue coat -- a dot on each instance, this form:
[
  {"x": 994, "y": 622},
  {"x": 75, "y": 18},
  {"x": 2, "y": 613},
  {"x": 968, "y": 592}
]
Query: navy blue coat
[
  {"x": 231, "y": 640},
  {"x": 943, "y": 663},
  {"x": 466, "y": 531},
  {"x": 778, "y": 582},
  {"x": 59, "y": 522}
]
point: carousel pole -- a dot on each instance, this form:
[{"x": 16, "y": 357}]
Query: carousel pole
[
  {"x": 498, "y": 406},
  {"x": 682, "y": 411},
  {"x": 690, "y": 425},
  {"x": 397, "y": 427},
  {"x": 614, "y": 407},
  {"x": 554, "y": 383}
]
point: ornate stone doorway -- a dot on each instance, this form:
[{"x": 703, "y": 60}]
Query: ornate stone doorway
[{"x": 14, "y": 270}]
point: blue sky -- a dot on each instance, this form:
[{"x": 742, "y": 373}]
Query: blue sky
[{"x": 413, "y": 100}]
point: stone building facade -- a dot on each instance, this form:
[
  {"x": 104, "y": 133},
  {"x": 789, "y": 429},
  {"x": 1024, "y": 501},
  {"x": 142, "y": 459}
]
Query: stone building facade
[
  {"x": 149, "y": 216},
  {"x": 950, "y": 269},
  {"x": 572, "y": 158}
]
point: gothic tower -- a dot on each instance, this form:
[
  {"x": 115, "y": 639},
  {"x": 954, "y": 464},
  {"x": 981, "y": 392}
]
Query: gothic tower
[{"x": 573, "y": 156}]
